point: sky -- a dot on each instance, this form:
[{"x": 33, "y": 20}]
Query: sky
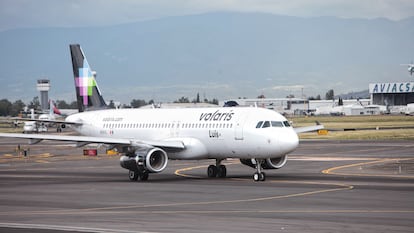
[
  {"x": 75, "y": 13},
  {"x": 15, "y": 14}
]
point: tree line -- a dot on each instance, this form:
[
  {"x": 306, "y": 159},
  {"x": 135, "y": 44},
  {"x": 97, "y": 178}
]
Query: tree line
[{"x": 8, "y": 108}]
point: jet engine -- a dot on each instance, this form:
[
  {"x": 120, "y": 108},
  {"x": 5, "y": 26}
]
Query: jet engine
[
  {"x": 152, "y": 160},
  {"x": 269, "y": 163}
]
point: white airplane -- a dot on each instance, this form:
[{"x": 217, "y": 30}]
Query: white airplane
[
  {"x": 260, "y": 138},
  {"x": 52, "y": 111},
  {"x": 40, "y": 124},
  {"x": 410, "y": 68}
]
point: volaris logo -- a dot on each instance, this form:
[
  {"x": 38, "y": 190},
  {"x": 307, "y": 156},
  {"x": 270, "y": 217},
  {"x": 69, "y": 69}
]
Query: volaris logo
[
  {"x": 85, "y": 82},
  {"x": 217, "y": 116}
]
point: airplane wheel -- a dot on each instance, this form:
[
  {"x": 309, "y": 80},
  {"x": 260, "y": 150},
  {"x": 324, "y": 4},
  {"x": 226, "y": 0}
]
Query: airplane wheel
[
  {"x": 133, "y": 176},
  {"x": 256, "y": 176},
  {"x": 262, "y": 176},
  {"x": 212, "y": 171},
  {"x": 221, "y": 171},
  {"x": 144, "y": 176}
]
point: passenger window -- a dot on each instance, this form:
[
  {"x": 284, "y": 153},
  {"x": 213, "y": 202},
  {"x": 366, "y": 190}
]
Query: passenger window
[
  {"x": 266, "y": 124},
  {"x": 277, "y": 124},
  {"x": 259, "y": 124},
  {"x": 286, "y": 123}
]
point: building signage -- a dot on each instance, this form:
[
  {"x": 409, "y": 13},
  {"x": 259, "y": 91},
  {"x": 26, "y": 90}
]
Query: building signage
[{"x": 406, "y": 87}]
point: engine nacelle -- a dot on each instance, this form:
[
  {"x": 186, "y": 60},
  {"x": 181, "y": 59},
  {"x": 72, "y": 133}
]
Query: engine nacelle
[
  {"x": 153, "y": 160},
  {"x": 275, "y": 163},
  {"x": 270, "y": 163}
]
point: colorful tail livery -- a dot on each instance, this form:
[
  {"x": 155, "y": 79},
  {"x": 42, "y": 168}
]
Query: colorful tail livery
[{"x": 87, "y": 91}]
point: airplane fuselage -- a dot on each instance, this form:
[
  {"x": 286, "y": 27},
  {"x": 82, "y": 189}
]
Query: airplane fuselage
[{"x": 206, "y": 132}]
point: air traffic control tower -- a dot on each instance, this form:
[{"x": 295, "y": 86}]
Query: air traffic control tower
[{"x": 43, "y": 85}]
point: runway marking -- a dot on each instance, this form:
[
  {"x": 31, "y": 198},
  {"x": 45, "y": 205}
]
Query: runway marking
[
  {"x": 41, "y": 161},
  {"x": 332, "y": 170},
  {"x": 62, "y": 228},
  {"x": 178, "y": 172},
  {"x": 112, "y": 209},
  {"x": 353, "y": 152},
  {"x": 307, "y": 211},
  {"x": 328, "y": 159},
  {"x": 115, "y": 208}
]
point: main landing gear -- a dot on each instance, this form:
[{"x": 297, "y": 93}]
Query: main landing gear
[
  {"x": 217, "y": 170},
  {"x": 259, "y": 175},
  {"x": 138, "y": 175}
]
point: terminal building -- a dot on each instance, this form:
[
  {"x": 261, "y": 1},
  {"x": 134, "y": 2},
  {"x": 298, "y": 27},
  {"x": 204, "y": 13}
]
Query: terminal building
[
  {"x": 298, "y": 106},
  {"x": 392, "y": 94},
  {"x": 385, "y": 98}
]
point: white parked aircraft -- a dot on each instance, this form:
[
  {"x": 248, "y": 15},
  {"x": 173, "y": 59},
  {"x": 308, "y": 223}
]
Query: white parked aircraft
[
  {"x": 260, "y": 138},
  {"x": 39, "y": 125}
]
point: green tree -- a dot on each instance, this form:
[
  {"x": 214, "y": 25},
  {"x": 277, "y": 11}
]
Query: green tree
[
  {"x": 340, "y": 102},
  {"x": 111, "y": 104},
  {"x": 61, "y": 104},
  {"x": 260, "y": 97},
  {"x": 136, "y": 103},
  {"x": 17, "y": 107},
  {"x": 5, "y": 107},
  {"x": 330, "y": 95},
  {"x": 182, "y": 100},
  {"x": 73, "y": 105},
  {"x": 35, "y": 103},
  {"x": 290, "y": 96},
  {"x": 318, "y": 97},
  {"x": 214, "y": 101},
  {"x": 198, "y": 98}
]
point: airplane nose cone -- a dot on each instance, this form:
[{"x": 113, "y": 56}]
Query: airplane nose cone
[{"x": 289, "y": 142}]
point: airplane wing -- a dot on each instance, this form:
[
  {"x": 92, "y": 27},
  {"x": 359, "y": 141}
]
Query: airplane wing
[
  {"x": 84, "y": 140},
  {"x": 47, "y": 121},
  {"x": 308, "y": 128}
]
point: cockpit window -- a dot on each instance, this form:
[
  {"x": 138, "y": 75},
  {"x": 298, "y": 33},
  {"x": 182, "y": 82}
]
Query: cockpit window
[{"x": 277, "y": 124}]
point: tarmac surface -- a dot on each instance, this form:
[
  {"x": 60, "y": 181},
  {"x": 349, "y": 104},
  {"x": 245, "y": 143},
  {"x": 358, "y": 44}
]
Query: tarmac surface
[{"x": 326, "y": 186}]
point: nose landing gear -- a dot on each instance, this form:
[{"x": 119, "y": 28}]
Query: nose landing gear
[{"x": 259, "y": 175}]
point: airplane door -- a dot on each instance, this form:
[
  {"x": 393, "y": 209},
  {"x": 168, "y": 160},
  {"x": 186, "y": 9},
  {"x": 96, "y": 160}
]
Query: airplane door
[
  {"x": 238, "y": 130},
  {"x": 175, "y": 129}
]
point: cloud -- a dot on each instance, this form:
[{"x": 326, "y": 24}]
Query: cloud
[
  {"x": 78, "y": 13},
  {"x": 284, "y": 88},
  {"x": 291, "y": 87}
]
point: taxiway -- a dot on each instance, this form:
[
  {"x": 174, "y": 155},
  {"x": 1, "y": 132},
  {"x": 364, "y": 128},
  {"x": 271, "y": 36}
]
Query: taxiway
[{"x": 327, "y": 186}]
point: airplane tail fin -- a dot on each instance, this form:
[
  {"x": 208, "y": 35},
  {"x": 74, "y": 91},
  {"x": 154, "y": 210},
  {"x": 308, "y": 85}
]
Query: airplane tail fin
[
  {"x": 88, "y": 95},
  {"x": 53, "y": 109}
]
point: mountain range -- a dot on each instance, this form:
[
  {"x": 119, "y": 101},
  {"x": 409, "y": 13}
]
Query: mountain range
[{"x": 220, "y": 55}]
